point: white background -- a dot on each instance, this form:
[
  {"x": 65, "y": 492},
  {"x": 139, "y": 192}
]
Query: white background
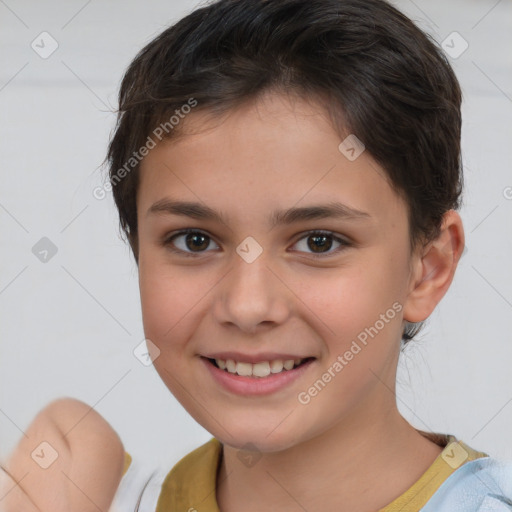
[{"x": 68, "y": 327}]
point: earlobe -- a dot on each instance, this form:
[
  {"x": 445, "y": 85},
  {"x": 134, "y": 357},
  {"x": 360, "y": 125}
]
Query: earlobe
[{"x": 434, "y": 269}]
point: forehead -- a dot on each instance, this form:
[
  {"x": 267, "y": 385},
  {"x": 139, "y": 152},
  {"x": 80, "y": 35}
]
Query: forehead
[{"x": 270, "y": 154}]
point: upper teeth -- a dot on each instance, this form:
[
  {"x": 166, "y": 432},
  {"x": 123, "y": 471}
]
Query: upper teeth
[{"x": 262, "y": 369}]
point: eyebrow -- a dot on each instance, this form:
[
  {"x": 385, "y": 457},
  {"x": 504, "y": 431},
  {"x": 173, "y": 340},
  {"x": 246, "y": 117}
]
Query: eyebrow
[{"x": 278, "y": 217}]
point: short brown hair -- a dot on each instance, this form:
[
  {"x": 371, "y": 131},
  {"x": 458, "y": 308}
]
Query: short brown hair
[{"x": 374, "y": 71}]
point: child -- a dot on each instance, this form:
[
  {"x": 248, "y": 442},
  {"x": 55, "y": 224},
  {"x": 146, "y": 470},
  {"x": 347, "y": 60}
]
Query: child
[{"x": 287, "y": 173}]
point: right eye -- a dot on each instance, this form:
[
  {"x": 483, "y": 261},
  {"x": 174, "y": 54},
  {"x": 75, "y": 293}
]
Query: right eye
[{"x": 193, "y": 239}]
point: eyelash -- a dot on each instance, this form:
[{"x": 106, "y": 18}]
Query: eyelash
[{"x": 168, "y": 242}]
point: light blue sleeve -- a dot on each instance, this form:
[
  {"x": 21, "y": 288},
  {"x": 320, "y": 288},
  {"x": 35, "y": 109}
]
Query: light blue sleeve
[{"x": 481, "y": 485}]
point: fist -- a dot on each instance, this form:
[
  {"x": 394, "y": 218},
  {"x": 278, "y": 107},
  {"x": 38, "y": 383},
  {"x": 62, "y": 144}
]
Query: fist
[{"x": 71, "y": 460}]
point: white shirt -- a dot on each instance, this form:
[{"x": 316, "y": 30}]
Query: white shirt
[{"x": 139, "y": 489}]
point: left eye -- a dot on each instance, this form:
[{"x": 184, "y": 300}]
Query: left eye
[
  {"x": 317, "y": 241},
  {"x": 196, "y": 242}
]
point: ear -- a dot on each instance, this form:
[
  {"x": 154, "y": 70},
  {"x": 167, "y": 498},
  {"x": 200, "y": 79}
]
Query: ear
[{"x": 433, "y": 269}]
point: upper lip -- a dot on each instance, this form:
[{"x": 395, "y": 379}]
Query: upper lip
[{"x": 253, "y": 358}]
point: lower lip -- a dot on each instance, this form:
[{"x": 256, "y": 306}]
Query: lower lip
[{"x": 255, "y": 385}]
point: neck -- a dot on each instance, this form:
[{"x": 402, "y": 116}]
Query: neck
[{"x": 356, "y": 465}]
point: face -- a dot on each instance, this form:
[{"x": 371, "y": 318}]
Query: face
[{"x": 266, "y": 273}]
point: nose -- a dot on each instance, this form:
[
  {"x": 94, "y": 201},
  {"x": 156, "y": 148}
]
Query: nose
[{"x": 252, "y": 296}]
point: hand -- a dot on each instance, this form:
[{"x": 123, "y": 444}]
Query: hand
[{"x": 71, "y": 460}]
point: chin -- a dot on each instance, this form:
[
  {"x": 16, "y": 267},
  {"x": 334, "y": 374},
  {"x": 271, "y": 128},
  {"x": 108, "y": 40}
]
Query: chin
[{"x": 253, "y": 437}]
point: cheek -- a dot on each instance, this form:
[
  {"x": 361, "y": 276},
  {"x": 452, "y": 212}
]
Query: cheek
[
  {"x": 361, "y": 303},
  {"x": 165, "y": 301},
  {"x": 172, "y": 298},
  {"x": 347, "y": 296}
]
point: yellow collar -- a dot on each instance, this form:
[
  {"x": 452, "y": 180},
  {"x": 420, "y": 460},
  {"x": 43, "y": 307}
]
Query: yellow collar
[{"x": 191, "y": 484}]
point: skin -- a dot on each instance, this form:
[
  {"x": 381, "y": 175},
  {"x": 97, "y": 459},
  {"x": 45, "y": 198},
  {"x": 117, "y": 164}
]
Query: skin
[
  {"x": 349, "y": 448},
  {"x": 83, "y": 476}
]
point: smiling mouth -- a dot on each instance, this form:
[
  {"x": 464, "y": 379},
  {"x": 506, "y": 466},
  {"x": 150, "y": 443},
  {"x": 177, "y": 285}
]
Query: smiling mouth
[{"x": 258, "y": 370}]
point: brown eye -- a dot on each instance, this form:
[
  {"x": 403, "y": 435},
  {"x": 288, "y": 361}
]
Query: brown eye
[
  {"x": 191, "y": 242},
  {"x": 197, "y": 241},
  {"x": 320, "y": 242},
  {"x": 317, "y": 243},
  {"x": 188, "y": 242}
]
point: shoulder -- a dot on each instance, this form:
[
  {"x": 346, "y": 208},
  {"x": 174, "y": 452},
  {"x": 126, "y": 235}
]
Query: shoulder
[
  {"x": 481, "y": 485},
  {"x": 146, "y": 489}
]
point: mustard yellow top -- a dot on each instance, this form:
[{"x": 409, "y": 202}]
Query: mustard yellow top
[
  {"x": 127, "y": 462},
  {"x": 191, "y": 484}
]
